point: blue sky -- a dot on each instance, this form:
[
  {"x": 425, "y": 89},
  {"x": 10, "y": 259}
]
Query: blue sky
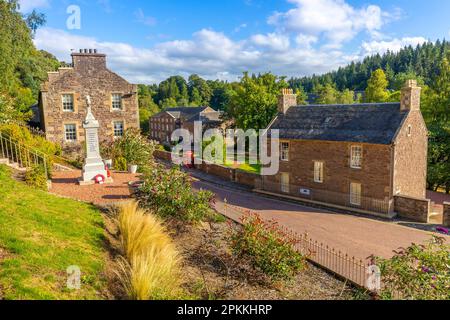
[{"x": 147, "y": 41}]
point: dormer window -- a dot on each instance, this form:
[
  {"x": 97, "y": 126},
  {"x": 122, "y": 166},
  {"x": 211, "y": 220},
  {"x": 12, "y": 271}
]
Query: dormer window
[
  {"x": 116, "y": 99},
  {"x": 356, "y": 157}
]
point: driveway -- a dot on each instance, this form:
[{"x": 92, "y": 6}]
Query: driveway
[{"x": 357, "y": 236}]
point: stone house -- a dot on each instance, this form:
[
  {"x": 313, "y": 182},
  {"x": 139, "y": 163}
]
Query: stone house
[
  {"x": 63, "y": 107},
  {"x": 360, "y": 156},
  {"x": 163, "y": 124}
]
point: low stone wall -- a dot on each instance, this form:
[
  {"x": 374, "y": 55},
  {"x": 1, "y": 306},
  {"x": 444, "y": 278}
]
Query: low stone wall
[
  {"x": 413, "y": 208},
  {"x": 163, "y": 155},
  {"x": 246, "y": 178},
  {"x": 219, "y": 171},
  {"x": 447, "y": 214}
]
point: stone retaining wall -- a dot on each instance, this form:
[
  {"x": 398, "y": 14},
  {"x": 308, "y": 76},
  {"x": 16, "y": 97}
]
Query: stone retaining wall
[
  {"x": 413, "y": 208},
  {"x": 219, "y": 171},
  {"x": 447, "y": 214},
  {"x": 246, "y": 178},
  {"x": 163, "y": 155}
]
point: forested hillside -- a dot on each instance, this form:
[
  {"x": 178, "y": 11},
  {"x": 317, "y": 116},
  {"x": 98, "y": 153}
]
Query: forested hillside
[
  {"x": 22, "y": 66},
  {"x": 422, "y": 61}
]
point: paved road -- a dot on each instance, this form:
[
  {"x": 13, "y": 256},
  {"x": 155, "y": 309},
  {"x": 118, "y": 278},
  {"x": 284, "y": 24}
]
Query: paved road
[{"x": 357, "y": 236}]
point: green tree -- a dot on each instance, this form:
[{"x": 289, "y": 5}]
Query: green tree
[
  {"x": 327, "y": 94},
  {"x": 377, "y": 87},
  {"x": 199, "y": 90},
  {"x": 254, "y": 103},
  {"x": 346, "y": 97}
]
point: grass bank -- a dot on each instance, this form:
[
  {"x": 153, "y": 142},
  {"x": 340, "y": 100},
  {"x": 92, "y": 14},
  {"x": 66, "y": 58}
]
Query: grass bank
[{"x": 41, "y": 235}]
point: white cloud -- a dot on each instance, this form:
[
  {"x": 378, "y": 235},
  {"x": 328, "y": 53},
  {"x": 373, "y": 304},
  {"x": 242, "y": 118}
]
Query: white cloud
[
  {"x": 209, "y": 53},
  {"x": 28, "y": 5},
  {"x": 336, "y": 20},
  {"x": 394, "y": 45},
  {"x": 273, "y": 41}
]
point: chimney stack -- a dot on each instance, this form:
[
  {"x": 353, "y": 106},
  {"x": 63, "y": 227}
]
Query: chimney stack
[
  {"x": 286, "y": 100},
  {"x": 88, "y": 59},
  {"x": 410, "y": 97}
]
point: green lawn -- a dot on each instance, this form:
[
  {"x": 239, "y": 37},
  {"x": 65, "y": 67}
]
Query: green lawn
[
  {"x": 43, "y": 235},
  {"x": 252, "y": 168}
]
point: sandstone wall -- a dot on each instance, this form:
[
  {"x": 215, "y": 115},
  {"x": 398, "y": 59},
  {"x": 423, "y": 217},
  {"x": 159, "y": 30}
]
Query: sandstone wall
[{"x": 415, "y": 209}]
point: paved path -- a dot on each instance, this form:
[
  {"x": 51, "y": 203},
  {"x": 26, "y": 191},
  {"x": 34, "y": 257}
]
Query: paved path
[
  {"x": 66, "y": 184},
  {"x": 357, "y": 236}
]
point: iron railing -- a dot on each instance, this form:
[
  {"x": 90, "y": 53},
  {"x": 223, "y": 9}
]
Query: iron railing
[
  {"x": 350, "y": 268},
  {"x": 22, "y": 155},
  {"x": 383, "y": 206}
]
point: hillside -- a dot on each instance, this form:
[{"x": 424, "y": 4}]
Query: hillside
[
  {"x": 41, "y": 235},
  {"x": 423, "y": 61}
]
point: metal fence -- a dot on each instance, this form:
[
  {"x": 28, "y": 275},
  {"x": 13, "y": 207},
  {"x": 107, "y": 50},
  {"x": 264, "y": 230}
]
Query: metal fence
[
  {"x": 350, "y": 268},
  {"x": 22, "y": 155},
  {"x": 382, "y": 206}
]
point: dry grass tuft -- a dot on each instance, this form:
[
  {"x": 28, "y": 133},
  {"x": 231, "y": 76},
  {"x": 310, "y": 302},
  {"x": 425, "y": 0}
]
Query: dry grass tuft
[{"x": 151, "y": 270}]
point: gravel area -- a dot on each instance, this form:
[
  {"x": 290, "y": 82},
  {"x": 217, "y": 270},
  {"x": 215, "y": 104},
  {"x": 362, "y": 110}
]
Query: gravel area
[{"x": 66, "y": 184}]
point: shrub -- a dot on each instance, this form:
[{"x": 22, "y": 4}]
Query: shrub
[
  {"x": 151, "y": 269},
  {"x": 269, "y": 248},
  {"x": 24, "y": 136},
  {"x": 169, "y": 194},
  {"x": 134, "y": 148},
  {"x": 36, "y": 177},
  {"x": 120, "y": 164},
  {"x": 420, "y": 272}
]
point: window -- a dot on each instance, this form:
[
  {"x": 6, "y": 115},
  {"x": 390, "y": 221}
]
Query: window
[
  {"x": 409, "y": 131},
  {"x": 116, "y": 99},
  {"x": 355, "y": 194},
  {"x": 318, "y": 172},
  {"x": 70, "y": 132},
  {"x": 285, "y": 182},
  {"x": 118, "y": 129},
  {"x": 285, "y": 151},
  {"x": 356, "y": 157},
  {"x": 67, "y": 101}
]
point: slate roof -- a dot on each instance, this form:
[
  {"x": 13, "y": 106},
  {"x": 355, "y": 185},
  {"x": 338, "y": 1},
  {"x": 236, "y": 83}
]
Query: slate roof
[
  {"x": 207, "y": 117},
  {"x": 184, "y": 113},
  {"x": 375, "y": 123}
]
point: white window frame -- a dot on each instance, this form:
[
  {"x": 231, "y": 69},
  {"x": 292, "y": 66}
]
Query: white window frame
[
  {"x": 284, "y": 182},
  {"x": 66, "y": 132},
  {"x": 285, "y": 148},
  {"x": 116, "y": 105},
  {"x": 355, "y": 193},
  {"x": 66, "y": 103},
  {"x": 318, "y": 171},
  {"x": 116, "y": 136},
  {"x": 356, "y": 157},
  {"x": 409, "y": 131}
]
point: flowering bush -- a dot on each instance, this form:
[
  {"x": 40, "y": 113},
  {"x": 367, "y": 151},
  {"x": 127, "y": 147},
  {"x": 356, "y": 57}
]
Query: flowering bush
[
  {"x": 269, "y": 248},
  {"x": 420, "y": 272},
  {"x": 169, "y": 194},
  {"x": 134, "y": 148}
]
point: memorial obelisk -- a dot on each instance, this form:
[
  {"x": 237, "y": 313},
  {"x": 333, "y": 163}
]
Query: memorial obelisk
[{"x": 94, "y": 168}]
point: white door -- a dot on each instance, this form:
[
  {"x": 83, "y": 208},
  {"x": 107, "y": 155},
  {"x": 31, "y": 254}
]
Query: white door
[
  {"x": 355, "y": 194},
  {"x": 285, "y": 182}
]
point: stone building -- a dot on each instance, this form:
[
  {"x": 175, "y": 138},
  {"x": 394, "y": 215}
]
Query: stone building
[
  {"x": 360, "y": 156},
  {"x": 164, "y": 123},
  {"x": 62, "y": 101}
]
